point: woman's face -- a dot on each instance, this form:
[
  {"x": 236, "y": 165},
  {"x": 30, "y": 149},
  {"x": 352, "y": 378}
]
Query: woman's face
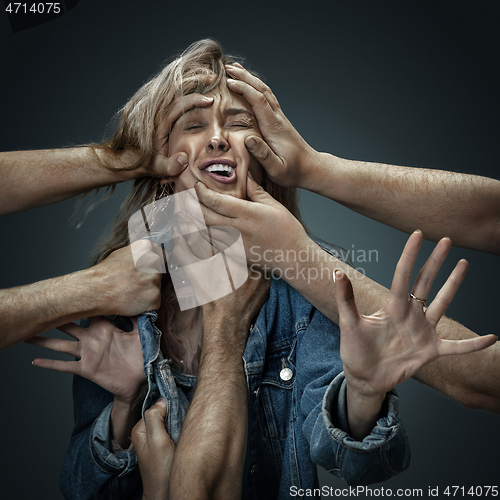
[{"x": 214, "y": 139}]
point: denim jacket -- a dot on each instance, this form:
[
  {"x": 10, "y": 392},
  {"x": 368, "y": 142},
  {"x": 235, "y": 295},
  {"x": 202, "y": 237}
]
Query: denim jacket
[{"x": 296, "y": 404}]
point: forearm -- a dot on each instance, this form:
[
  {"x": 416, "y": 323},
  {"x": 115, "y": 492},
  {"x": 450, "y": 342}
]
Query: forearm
[
  {"x": 464, "y": 207},
  {"x": 471, "y": 379},
  {"x": 210, "y": 454},
  {"x": 32, "y": 309},
  {"x": 32, "y": 179}
]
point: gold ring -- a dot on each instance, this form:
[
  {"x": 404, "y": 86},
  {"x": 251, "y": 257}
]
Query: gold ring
[{"x": 422, "y": 301}]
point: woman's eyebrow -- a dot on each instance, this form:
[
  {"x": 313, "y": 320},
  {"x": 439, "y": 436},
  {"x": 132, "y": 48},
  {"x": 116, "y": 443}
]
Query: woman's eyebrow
[
  {"x": 237, "y": 111},
  {"x": 194, "y": 108}
]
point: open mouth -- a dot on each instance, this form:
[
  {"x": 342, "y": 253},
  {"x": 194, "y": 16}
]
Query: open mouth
[
  {"x": 221, "y": 172},
  {"x": 224, "y": 170}
]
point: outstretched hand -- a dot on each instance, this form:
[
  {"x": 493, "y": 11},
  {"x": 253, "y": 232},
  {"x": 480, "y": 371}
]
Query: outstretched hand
[
  {"x": 283, "y": 153},
  {"x": 384, "y": 349},
  {"x": 107, "y": 356}
]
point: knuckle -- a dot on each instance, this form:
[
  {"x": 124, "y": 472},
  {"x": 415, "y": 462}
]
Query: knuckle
[{"x": 262, "y": 100}]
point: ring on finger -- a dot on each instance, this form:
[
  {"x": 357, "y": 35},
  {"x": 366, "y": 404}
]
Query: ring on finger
[{"x": 422, "y": 301}]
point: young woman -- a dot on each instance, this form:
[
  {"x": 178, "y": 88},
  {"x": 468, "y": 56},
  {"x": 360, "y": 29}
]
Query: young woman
[{"x": 299, "y": 396}]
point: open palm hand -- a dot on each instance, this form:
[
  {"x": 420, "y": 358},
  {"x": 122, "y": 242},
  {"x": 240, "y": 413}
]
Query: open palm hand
[
  {"x": 108, "y": 356},
  {"x": 384, "y": 349}
]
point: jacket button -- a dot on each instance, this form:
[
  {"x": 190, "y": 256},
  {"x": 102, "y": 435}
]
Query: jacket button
[
  {"x": 286, "y": 374},
  {"x": 253, "y": 469}
]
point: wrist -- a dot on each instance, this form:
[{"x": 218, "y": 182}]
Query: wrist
[
  {"x": 363, "y": 411},
  {"x": 124, "y": 415},
  {"x": 311, "y": 170},
  {"x": 318, "y": 173},
  {"x": 119, "y": 164},
  {"x": 96, "y": 299},
  {"x": 364, "y": 398},
  {"x": 225, "y": 337}
]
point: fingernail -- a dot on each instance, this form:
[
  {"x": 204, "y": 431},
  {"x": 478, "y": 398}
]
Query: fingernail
[
  {"x": 250, "y": 174},
  {"x": 230, "y": 81},
  {"x": 208, "y": 99},
  {"x": 337, "y": 275},
  {"x": 183, "y": 159},
  {"x": 251, "y": 143},
  {"x": 161, "y": 402}
]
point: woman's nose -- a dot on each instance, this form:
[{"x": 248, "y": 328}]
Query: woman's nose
[{"x": 217, "y": 141}]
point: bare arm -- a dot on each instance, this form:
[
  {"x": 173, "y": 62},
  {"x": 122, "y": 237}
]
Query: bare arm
[
  {"x": 210, "y": 454},
  {"x": 464, "y": 207},
  {"x": 471, "y": 379},
  {"x": 32, "y": 179},
  {"x": 114, "y": 286}
]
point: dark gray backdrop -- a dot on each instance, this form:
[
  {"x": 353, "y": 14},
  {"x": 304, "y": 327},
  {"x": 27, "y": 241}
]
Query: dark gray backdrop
[{"x": 410, "y": 83}]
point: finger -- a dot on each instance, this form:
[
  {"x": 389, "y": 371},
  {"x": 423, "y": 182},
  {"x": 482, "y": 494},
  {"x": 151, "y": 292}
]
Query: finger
[
  {"x": 173, "y": 165},
  {"x": 58, "y": 365},
  {"x": 200, "y": 244},
  {"x": 222, "y": 204},
  {"x": 72, "y": 329},
  {"x": 344, "y": 295},
  {"x": 155, "y": 421},
  {"x": 182, "y": 253},
  {"x": 259, "y": 149},
  {"x": 139, "y": 434},
  {"x": 404, "y": 269},
  {"x": 262, "y": 108},
  {"x": 181, "y": 106},
  {"x": 258, "y": 194},
  {"x": 444, "y": 297},
  {"x": 428, "y": 273},
  {"x": 449, "y": 347},
  {"x": 240, "y": 73},
  {"x": 148, "y": 257},
  {"x": 66, "y": 346}
]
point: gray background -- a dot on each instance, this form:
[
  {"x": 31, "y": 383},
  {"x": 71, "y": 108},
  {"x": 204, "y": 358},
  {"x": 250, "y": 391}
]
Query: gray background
[{"x": 409, "y": 83}]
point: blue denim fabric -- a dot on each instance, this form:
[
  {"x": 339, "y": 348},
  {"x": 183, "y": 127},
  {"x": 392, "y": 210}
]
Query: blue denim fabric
[{"x": 293, "y": 424}]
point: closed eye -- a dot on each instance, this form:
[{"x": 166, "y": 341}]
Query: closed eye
[
  {"x": 240, "y": 124},
  {"x": 193, "y": 126}
]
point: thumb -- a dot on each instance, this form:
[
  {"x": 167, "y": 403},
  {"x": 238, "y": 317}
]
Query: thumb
[
  {"x": 257, "y": 193},
  {"x": 222, "y": 204},
  {"x": 174, "y": 165},
  {"x": 138, "y": 434},
  {"x": 260, "y": 150},
  {"x": 344, "y": 295},
  {"x": 155, "y": 420}
]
